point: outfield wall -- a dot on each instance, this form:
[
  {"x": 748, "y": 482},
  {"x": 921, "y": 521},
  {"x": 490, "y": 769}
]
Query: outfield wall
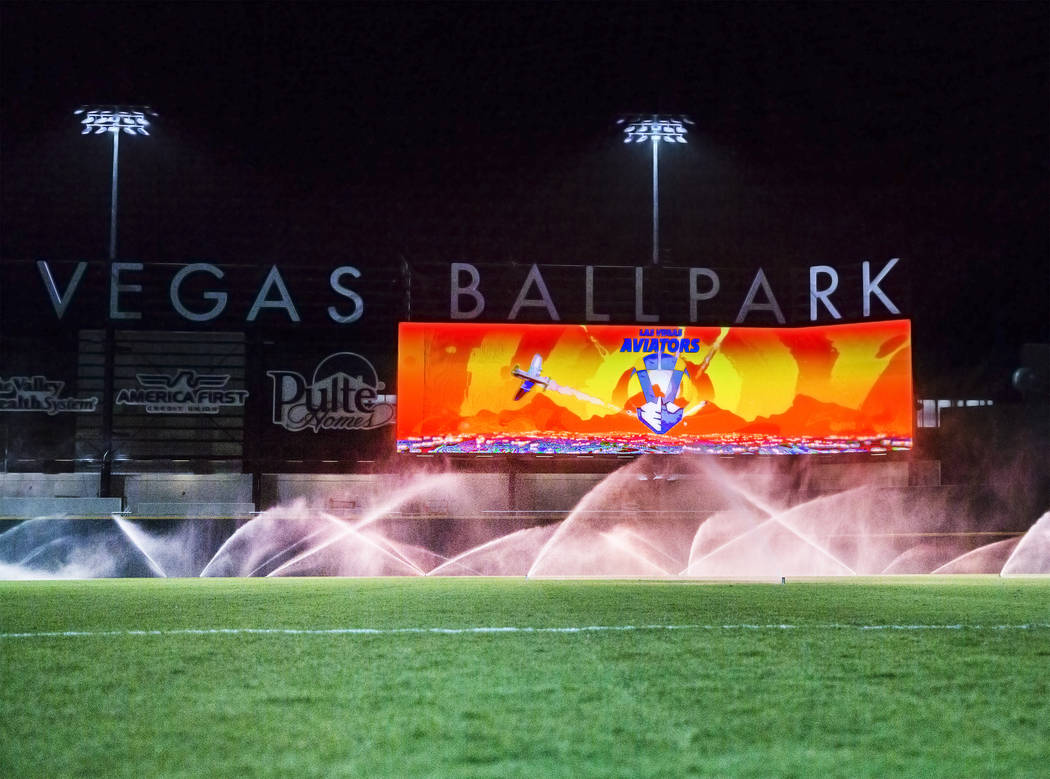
[
  {"x": 158, "y": 495},
  {"x": 134, "y": 367}
]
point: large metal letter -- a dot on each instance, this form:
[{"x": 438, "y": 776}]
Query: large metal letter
[
  {"x": 639, "y": 314},
  {"x": 750, "y": 304},
  {"x": 872, "y": 285},
  {"x": 589, "y": 313},
  {"x": 218, "y": 298},
  {"x": 115, "y": 288},
  {"x": 544, "y": 301},
  {"x": 359, "y": 304},
  {"x": 60, "y": 301},
  {"x": 823, "y": 295},
  {"x": 273, "y": 279},
  {"x": 695, "y": 295},
  {"x": 454, "y": 311}
]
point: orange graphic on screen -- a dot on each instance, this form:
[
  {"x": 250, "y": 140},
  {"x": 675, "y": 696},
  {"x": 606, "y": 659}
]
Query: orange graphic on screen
[{"x": 517, "y": 388}]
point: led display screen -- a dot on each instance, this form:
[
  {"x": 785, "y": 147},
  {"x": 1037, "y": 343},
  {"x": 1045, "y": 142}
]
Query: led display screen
[{"x": 470, "y": 388}]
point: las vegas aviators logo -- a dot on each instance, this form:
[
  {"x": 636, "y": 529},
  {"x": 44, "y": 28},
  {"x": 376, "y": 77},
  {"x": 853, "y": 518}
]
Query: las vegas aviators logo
[
  {"x": 660, "y": 377},
  {"x": 344, "y": 393}
]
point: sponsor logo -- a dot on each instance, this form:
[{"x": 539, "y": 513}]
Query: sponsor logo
[
  {"x": 187, "y": 392},
  {"x": 41, "y": 394},
  {"x": 344, "y": 393}
]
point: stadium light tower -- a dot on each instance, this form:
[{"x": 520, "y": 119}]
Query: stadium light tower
[
  {"x": 656, "y": 129},
  {"x": 115, "y": 120}
]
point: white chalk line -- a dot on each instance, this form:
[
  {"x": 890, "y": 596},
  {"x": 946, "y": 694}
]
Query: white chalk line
[{"x": 497, "y": 630}]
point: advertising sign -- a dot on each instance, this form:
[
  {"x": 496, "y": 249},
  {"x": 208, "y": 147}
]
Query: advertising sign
[
  {"x": 344, "y": 392},
  {"x": 185, "y": 392},
  {"x": 323, "y": 404},
  {"x": 469, "y": 388},
  {"x": 41, "y": 394}
]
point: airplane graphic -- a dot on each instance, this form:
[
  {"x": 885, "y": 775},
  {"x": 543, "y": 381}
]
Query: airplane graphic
[{"x": 531, "y": 377}]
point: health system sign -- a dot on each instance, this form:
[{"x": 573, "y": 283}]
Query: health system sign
[{"x": 41, "y": 395}]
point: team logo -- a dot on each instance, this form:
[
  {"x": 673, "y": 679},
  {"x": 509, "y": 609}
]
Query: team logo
[
  {"x": 344, "y": 393},
  {"x": 660, "y": 377},
  {"x": 187, "y": 392},
  {"x": 660, "y": 413},
  {"x": 41, "y": 394}
]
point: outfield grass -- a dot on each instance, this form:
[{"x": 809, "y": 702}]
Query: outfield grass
[{"x": 828, "y": 695}]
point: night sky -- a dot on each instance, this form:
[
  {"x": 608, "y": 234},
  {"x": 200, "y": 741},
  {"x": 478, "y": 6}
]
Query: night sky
[{"x": 825, "y": 134}]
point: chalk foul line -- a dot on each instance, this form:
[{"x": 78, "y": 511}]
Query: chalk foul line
[{"x": 496, "y": 630}]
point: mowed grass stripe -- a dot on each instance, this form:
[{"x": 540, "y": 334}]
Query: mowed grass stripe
[
  {"x": 159, "y": 604},
  {"x": 489, "y": 630},
  {"x": 806, "y": 700}
]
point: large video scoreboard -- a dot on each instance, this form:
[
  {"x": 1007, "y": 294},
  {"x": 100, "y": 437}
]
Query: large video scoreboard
[{"x": 466, "y": 388}]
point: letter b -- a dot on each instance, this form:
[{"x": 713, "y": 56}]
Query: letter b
[{"x": 454, "y": 311}]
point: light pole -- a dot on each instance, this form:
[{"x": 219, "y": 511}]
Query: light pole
[
  {"x": 114, "y": 119},
  {"x": 655, "y": 128}
]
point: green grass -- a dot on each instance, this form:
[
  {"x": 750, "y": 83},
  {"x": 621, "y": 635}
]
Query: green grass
[{"x": 809, "y": 700}]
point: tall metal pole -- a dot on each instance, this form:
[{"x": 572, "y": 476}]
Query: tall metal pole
[
  {"x": 114, "y": 120},
  {"x": 656, "y": 201},
  {"x": 109, "y": 367},
  {"x": 654, "y": 129},
  {"x": 113, "y": 200}
]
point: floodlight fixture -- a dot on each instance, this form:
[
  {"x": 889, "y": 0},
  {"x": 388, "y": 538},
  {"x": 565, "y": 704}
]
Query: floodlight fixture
[
  {"x": 115, "y": 120},
  {"x": 655, "y": 128}
]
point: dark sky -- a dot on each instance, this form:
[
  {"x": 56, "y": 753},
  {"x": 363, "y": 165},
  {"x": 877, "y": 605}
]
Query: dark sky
[{"x": 825, "y": 133}]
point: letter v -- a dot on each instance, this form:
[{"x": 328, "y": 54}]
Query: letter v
[{"x": 60, "y": 301}]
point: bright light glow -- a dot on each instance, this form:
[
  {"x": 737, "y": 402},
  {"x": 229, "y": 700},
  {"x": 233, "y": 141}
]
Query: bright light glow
[
  {"x": 115, "y": 119},
  {"x": 655, "y": 128}
]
